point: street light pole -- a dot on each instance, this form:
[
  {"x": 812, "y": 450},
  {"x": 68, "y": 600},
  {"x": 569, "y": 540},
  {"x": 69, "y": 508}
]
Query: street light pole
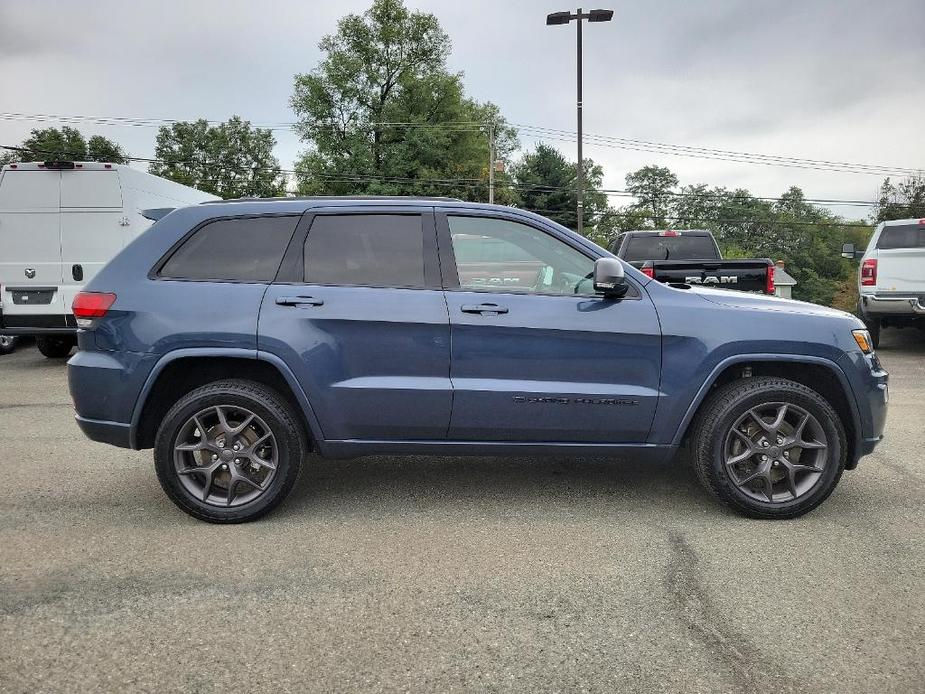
[
  {"x": 580, "y": 181},
  {"x": 579, "y": 17},
  {"x": 491, "y": 163}
]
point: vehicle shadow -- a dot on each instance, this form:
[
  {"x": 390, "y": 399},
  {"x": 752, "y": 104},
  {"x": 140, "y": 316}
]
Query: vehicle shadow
[
  {"x": 578, "y": 486},
  {"x": 907, "y": 341}
]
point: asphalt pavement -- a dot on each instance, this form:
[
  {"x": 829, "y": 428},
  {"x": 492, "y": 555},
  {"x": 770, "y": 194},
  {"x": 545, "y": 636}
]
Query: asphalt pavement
[{"x": 452, "y": 574}]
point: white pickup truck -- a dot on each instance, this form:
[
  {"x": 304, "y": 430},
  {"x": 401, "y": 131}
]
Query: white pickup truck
[{"x": 891, "y": 280}]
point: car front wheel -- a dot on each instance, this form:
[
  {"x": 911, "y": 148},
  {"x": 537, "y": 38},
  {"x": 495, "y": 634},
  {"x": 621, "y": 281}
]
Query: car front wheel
[
  {"x": 229, "y": 452},
  {"x": 769, "y": 447}
]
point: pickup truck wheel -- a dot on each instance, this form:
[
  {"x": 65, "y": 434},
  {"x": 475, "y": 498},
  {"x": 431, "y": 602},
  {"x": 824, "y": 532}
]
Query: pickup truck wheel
[
  {"x": 55, "y": 346},
  {"x": 769, "y": 447},
  {"x": 873, "y": 326},
  {"x": 229, "y": 452}
]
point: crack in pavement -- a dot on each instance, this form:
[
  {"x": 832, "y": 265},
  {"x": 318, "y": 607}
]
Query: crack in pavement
[{"x": 711, "y": 629}]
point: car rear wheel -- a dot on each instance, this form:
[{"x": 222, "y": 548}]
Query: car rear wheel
[
  {"x": 769, "y": 447},
  {"x": 55, "y": 346},
  {"x": 229, "y": 452}
]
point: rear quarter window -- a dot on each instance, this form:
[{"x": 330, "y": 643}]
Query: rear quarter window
[
  {"x": 244, "y": 249},
  {"x": 905, "y": 236}
]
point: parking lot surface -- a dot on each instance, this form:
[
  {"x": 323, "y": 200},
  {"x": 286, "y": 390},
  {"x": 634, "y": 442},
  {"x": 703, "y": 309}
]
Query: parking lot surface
[{"x": 453, "y": 573}]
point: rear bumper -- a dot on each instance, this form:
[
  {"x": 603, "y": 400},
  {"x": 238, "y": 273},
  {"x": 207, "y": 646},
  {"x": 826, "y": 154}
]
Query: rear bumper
[
  {"x": 895, "y": 305},
  {"x": 104, "y": 388},
  {"x": 37, "y": 324},
  {"x": 113, "y": 433}
]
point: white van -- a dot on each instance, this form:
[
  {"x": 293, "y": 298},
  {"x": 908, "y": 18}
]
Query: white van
[
  {"x": 60, "y": 222},
  {"x": 891, "y": 279}
]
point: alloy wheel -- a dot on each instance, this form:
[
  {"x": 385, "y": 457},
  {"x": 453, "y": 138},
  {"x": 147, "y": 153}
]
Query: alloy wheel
[
  {"x": 775, "y": 452},
  {"x": 225, "y": 455}
]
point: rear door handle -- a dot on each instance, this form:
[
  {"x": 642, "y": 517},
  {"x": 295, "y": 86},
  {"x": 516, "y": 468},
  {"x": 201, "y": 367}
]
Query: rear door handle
[
  {"x": 484, "y": 309},
  {"x": 299, "y": 301}
]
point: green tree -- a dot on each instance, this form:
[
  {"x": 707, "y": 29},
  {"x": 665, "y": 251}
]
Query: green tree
[
  {"x": 384, "y": 116},
  {"x": 653, "y": 188},
  {"x": 67, "y": 144},
  {"x": 806, "y": 237},
  {"x": 903, "y": 200},
  {"x": 547, "y": 183},
  {"x": 231, "y": 159}
]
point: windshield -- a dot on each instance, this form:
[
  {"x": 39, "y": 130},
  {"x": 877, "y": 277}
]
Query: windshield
[
  {"x": 670, "y": 248},
  {"x": 905, "y": 236}
]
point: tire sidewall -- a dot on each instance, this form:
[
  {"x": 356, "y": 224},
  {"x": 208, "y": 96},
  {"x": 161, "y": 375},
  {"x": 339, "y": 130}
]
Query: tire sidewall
[
  {"x": 289, "y": 454},
  {"x": 835, "y": 438}
]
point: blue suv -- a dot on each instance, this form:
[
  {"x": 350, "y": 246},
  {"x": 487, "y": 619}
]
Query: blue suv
[{"x": 234, "y": 338}]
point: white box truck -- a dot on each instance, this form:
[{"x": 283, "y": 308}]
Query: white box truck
[{"x": 60, "y": 222}]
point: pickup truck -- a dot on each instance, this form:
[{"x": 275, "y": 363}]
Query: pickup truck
[
  {"x": 234, "y": 338},
  {"x": 891, "y": 280},
  {"x": 691, "y": 257}
]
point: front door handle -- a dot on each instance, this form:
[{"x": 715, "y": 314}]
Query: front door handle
[
  {"x": 299, "y": 301},
  {"x": 484, "y": 309}
]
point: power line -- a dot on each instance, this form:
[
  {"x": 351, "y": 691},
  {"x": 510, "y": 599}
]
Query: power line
[
  {"x": 534, "y": 130},
  {"x": 472, "y": 183},
  {"x": 469, "y": 183}
]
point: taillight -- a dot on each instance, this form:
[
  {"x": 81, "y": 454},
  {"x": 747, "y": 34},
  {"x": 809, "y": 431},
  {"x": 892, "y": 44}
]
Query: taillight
[
  {"x": 869, "y": 273},
  {"x": 769, "y": 283},
  {"x": 668, "y": 232},
  {"x": 648, "y": 271},
  {"x": 89, "y": 306}
]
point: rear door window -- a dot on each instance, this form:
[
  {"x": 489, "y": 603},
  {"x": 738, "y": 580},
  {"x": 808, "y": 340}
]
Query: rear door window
[
  {"x": 670, "y": 248},
  {"x": 24, "y": 190},
  {"x": 244, "y": 249},
  {"x": 372, "y": 250},
  {"x": 904, "y": 236},
  {"x": 90, "y": 189}
]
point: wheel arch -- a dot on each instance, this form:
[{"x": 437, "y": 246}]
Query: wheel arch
[
  {"x": 179, "y": 371},
  {"x": 818, "y": 373}
]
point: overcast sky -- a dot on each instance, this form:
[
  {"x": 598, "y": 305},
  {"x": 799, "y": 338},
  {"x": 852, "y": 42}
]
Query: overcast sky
[{"x": 820, "y": 79}]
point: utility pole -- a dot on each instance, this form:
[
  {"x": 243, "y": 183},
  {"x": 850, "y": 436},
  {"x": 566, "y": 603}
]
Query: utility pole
[
  {"x": 564, "y": 18},
  {"x": 491, "y": 163}
]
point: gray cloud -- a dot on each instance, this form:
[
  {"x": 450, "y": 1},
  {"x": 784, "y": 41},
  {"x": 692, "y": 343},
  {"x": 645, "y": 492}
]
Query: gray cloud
[{"x": 824, "y": 79}]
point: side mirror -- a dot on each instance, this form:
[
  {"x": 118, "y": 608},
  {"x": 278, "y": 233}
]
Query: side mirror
[
  {"x": 609, "y": 278},
  {"x": 847, "y": 250}
]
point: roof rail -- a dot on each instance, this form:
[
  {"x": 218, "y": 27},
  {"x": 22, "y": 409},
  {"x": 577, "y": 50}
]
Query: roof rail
[{"x": 337, "y": 197}]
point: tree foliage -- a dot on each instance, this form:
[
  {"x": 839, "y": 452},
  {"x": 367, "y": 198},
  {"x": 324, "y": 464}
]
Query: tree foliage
[
  {"x": 66, "y": 144},
  {"x": 808, "y": 238},
  {"x": 903, "y": 200},
  {"x": 546, "y": 182},
  {"x": 383, "y": 116},
  {"x": 231, "y": 159}
]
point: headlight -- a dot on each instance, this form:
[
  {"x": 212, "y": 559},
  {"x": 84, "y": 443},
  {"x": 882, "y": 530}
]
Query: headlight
[{"x": 862, "y": 337}]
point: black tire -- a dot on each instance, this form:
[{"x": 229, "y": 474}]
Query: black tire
[
  {"x": 713, "y": 430},
  {"x": 56, "y": 346},
  {"x": 8, "y": 343},
  {"x": 873, "y": 326},
  {"x": 271, "y": 408}
]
